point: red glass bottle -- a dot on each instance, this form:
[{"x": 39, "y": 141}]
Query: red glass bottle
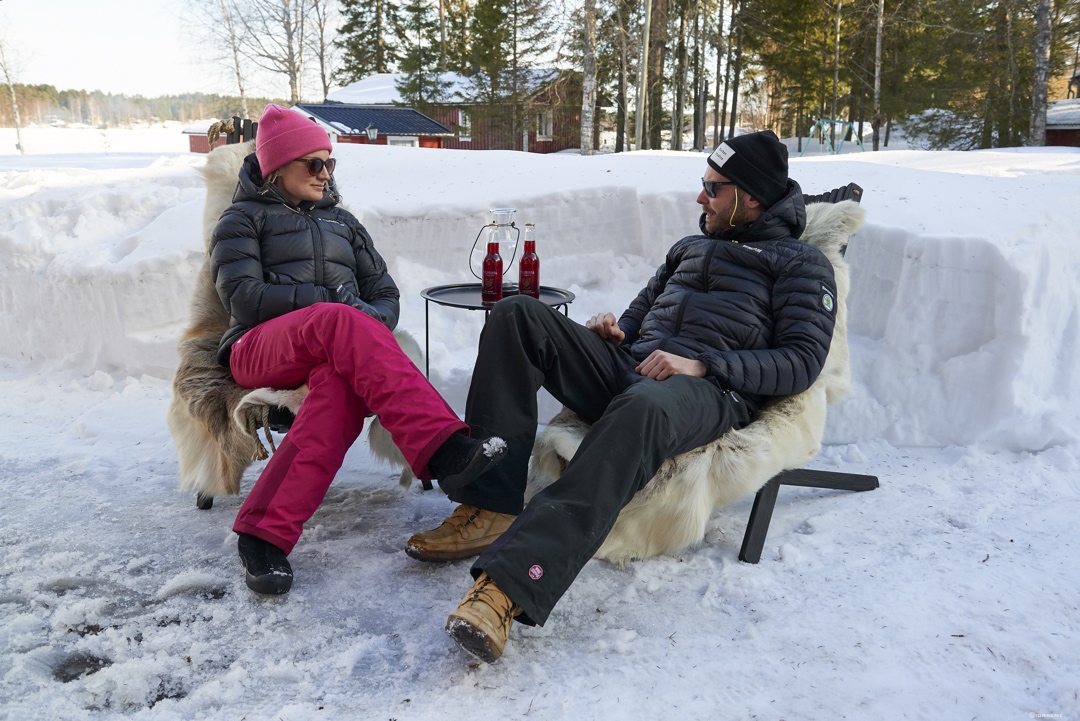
[
  {"x": 492, "y": 274},
  {"x": 529, "y": 265}
]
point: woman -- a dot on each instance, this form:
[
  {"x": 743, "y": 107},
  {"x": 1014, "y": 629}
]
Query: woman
[{"x": 311, "y": 301}]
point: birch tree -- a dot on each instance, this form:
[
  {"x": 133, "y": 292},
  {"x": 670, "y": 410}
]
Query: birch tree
[
  {"x": 320, "y": 42},
  {"x": 1037, "y": 134},
  {"x": 274, "y": 34},
  {"x": 9, "y": 72},
  {"x": 588, "y": 79}
]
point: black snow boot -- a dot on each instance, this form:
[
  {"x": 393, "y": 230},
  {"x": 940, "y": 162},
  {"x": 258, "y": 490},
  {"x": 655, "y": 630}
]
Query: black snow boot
[
  {"x": 268, "y": 570},
  {"x": 460, "y": 460}
]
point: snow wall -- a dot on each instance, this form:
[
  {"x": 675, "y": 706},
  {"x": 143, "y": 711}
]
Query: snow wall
[{"x": 964, "y": 310}]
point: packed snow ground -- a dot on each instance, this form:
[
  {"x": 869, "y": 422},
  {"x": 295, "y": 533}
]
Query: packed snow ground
[{"x": 949, "y": 592}]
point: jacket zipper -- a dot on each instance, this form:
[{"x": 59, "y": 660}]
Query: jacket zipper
[{"x": 317, "y": 249}]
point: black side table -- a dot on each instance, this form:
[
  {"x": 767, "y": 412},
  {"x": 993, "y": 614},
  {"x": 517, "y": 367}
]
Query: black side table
[{"x": 467, "y": 296}]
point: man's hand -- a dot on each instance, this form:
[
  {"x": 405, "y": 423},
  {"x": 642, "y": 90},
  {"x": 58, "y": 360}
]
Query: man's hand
[
  {"x": 607, "y": 327},
  {"x": 661, "y": 364}
]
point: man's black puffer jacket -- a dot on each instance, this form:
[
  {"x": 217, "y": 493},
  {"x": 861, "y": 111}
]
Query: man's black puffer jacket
[
  {"x": 269, "y": 257},
  {"x": 756, "y": 305}
]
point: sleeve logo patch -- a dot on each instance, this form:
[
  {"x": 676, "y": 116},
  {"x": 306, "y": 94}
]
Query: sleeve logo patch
[
  {"x": 827, "y": 301},
  {"x": 535, "y": 573}
]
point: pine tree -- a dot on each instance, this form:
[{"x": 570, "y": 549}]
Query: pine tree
[
  {"x": 421, "y": 82},
  {"x": 458, "y": 35},
  {"x": 368, "y": 39}
]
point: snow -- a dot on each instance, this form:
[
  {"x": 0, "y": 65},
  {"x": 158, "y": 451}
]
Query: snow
[
  {"x": 381, "y": 89},
  {"x": 950, "y": 591}
]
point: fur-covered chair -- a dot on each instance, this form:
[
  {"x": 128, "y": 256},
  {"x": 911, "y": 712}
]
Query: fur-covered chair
[
  {"x": 671, "y": 512},
  {"x": 214, "y": 422}
]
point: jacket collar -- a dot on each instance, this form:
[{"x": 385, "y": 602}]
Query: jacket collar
[{"x": 786, "y": 218}]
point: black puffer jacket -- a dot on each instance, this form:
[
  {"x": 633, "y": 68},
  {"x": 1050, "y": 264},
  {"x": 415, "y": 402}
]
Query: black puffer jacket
[
  {"x": 269, "y": 257},
  {"x": 756, "y": 305}
]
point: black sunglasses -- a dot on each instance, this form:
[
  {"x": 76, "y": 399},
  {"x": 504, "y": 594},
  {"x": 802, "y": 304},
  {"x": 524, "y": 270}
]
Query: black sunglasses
[
  {"x": 711, "y": 186},
  {"x": 316, "y": 165}
]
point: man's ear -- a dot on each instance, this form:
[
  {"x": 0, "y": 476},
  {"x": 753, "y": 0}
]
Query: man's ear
[{"x": 752, "y": 202}]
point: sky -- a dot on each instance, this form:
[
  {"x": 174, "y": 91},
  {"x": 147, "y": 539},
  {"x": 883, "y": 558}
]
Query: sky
[{"x": 136, "y": 48}]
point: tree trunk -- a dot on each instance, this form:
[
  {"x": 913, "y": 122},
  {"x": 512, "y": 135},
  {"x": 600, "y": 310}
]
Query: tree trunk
[
  {"x": 5, "y": 67},
  {"x": 234, "y": 42},
  {"x": 1037, "y": 134},
  {"x": 698, "y": 85},
  {"x": 442, "y": 36},
  {"x": 719, "y": 42},
  {"x": 588, "y": 81},
  {"x": 677, "y": 116},
  {"x": 643, "y": 80},
  {"x": 877, "y": 75},
  {"x": 624, "y": 62},
  {"x": 836, "y": 75},
  {"x": 658, "y": 54},
  {"x": 738, "y": 69}
]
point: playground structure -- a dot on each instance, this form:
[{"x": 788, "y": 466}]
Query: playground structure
[{"x": 825, "y": 127}]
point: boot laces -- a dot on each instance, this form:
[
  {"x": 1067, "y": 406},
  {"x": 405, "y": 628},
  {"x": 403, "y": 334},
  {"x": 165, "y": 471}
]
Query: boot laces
[{"x": 490, "y": 594}]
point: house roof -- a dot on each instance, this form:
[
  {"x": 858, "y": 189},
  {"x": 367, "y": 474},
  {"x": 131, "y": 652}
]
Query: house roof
[
  {"x": 1063, "y": 114},
  {"x": 354, "y": 119}
]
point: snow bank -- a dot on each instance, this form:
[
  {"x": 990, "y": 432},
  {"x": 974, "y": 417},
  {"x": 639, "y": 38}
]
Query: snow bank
[{"x": 963, "y": 277}]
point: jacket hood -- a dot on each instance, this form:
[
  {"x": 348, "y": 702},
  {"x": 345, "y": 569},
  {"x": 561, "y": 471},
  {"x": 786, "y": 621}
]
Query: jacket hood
[
  {"x": 786, "y": 218},
  {"x": 252, "y": 186}
]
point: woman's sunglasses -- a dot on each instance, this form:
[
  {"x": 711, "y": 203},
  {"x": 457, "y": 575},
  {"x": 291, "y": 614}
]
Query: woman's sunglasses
[
  {"x": 711, "y": 186},
  {"x": 316, "y": 165}
]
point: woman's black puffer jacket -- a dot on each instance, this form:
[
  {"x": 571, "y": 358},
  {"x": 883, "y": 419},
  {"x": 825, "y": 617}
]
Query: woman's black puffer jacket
[
  {"x": 756, "y": 305},
  {"x": 269, "y": 257}
]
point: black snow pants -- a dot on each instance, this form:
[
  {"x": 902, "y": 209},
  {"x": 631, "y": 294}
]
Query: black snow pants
[{"x": 637, "y": 423}]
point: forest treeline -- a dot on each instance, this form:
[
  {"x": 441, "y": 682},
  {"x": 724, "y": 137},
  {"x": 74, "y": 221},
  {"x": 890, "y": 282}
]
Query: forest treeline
[{"x": 44, "y": 104}]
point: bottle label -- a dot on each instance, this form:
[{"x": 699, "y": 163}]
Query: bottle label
[
  {"x": 492, "y": 290},
  {"x": 527, "y": 283}
]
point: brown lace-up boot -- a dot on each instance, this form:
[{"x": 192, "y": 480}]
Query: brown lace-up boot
[
  {"x": 466, "y": 533},
  {"x": 481, "y": 624}
]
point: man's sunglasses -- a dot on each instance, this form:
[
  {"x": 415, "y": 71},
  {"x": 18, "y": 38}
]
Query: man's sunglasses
[
  {"x": 316, "y": 165},
  {"x": 711, "y": 186}
]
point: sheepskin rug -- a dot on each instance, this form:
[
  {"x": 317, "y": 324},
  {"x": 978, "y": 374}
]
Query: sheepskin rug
[
  {"x": 671, "y": 512},
  {"x": 214, "y": 422}
]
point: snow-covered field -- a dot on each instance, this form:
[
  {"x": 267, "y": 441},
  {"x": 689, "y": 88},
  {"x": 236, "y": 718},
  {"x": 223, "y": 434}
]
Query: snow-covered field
[{"x": 949, "y": 592}]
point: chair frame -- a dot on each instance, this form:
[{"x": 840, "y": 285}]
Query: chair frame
[{"x": 757, "y": 527}]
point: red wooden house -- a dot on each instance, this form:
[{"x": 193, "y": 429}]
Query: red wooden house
[{"x": 548, "y": 121}]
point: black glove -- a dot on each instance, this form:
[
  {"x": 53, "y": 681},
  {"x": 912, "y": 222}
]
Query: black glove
[{"x": 341, "y": 294}]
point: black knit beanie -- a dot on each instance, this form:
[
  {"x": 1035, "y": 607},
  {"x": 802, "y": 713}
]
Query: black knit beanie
[{"x": 757, "y": 162}]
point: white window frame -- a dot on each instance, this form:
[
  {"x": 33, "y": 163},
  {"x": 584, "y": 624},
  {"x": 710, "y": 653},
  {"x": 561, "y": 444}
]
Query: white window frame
[
  {"x": 545, "y": 121},
  {"x": 464, "y": 126}
]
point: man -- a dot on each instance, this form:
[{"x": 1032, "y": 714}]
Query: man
[{"x": 735, "y": 315}]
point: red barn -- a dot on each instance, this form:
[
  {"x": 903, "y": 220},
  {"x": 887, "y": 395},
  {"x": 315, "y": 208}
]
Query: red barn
[{"x": 1063, "y": 123}]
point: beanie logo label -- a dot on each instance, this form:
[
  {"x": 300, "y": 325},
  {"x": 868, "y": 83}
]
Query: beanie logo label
[
  {"x": 722, "y": 153},
  {"x": 827, "y": 301}
]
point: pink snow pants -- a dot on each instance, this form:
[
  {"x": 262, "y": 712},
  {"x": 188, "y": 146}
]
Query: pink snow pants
[{"x": 353, "y": 366}]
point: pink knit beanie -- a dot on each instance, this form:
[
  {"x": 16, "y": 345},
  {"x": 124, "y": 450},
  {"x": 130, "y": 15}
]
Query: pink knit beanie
[{"x": 285, "y": 135}]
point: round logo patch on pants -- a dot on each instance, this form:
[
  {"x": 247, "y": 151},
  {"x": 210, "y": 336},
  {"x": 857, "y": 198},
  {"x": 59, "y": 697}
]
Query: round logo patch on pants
[{"x": 535, "y": 573}]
